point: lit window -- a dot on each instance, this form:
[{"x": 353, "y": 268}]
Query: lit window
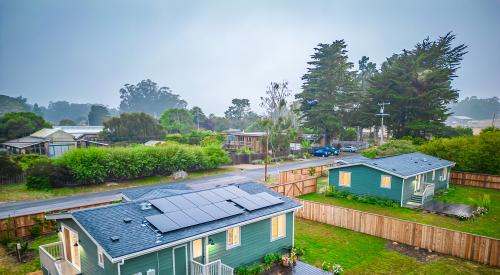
[
  {"x": 278, "y": 227},
  {"x": 233, "y": 237},
  {"x": 197, "y": 248},
  {"x": 100, "y": 257},
  {"x": 345, "y": 178},
  {"x": 385, "y": 181}
]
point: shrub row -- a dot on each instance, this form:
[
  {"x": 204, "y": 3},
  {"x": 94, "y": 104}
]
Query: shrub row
[
  {"x": 330, "y": 191},
  {"x": 100, "y": 164}
]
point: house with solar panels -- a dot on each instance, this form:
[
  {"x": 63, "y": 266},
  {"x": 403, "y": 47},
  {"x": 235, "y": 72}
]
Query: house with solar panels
[
  {"x": 409, "y": 179},
  {"x": 175, "y": 230}
]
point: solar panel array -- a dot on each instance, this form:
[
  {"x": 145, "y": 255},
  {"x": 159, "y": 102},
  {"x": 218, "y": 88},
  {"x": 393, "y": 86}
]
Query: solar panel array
[{"x": 190, "y": 209}]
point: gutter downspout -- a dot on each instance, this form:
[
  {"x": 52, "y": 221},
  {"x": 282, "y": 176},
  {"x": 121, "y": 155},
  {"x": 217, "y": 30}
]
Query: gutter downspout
[
  {"x": 402, "y": 189},
  {"x": 119, "y": 265}
]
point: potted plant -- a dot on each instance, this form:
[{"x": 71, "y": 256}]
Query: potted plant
[
  {"x": 293, "y": 256},
  {"x": 285, "y": 260}
]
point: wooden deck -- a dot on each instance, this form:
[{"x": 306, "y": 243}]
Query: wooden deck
[
  {"x": 452, "y": 209},
  {"x": 300, "y": 269}
]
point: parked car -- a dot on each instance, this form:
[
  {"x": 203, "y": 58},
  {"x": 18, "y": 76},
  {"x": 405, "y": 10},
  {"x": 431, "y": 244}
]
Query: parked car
[
  {"x": 349, "y": 148},
  {"x": 326, "y": 151}
]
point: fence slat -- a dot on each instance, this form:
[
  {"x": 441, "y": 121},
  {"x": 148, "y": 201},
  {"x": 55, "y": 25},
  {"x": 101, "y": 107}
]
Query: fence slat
[{"x": 475, "y": 179}]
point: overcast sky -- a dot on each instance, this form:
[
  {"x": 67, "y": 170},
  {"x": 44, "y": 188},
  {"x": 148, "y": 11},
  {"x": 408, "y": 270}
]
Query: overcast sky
[{"x": 212, "y": 51}]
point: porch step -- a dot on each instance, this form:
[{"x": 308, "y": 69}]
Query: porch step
[{"x": 416, "y": 199}]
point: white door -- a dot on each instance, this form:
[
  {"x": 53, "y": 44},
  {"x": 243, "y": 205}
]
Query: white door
[
  {"x": 71, "y": 247},
  {"x": 418, "y": 184}
]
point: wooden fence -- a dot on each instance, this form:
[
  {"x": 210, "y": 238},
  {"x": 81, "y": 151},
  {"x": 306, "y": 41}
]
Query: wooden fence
[
  {"x": 297, "y": 188},
  {"x": 12, "y": 179},
  {"x": 459, "y": 244},
  {"x": 21, "y": 226},
  {"x": 299, "y": 174},
  {"x": 475, "y": 179}
]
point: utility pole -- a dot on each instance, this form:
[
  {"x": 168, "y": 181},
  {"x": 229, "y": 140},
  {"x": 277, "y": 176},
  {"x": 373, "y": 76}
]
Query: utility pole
[
  {"x": 493, "y": 120},
  {"x": 267, "y": 155},
  {"x": 198, "y": 119},
  {"x": 382, "y": 114}
]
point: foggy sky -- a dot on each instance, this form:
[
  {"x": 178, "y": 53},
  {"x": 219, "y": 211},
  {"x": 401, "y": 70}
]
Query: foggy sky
[{"x": 212, "y": 51}]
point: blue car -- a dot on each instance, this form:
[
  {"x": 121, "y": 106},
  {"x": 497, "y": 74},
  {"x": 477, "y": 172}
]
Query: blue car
[{"x": 326, "y": 151}]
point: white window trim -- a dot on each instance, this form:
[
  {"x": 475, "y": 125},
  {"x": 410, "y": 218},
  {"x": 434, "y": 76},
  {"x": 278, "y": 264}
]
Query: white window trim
[
  {"x": 230, "y": 246},
  {"x": 100, "y": 254},
  {"x": 284, "y": 229},
  {"x": 151, "y": 271},
  {"x": 340, "y": 179},
  {"x": 382, "y": 180}
]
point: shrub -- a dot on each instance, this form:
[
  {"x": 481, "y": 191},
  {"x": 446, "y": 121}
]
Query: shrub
[
  {"x": 44, "y": 174},
  {"x": 99, "y": 164},
  {"x": 35, "y": 231},
  {"x": 38, "y": 183},
  {"x": 9, "y": 168},
  {"x": 390, "y": 148},
  {"x": 26, "y": 160},
  {"x": 272, "y": 258}
]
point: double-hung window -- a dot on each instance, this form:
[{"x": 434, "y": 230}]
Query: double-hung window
[
  {"x": 233, "y": 237},
  {"x": 278, "y": 227},
  {"x": 344, "y": 178},
  {"x": 385, "y": 181},
  {"x": 100, "y": 257}
]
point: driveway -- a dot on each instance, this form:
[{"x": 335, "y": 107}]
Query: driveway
[{"x": 30, "y": 207}]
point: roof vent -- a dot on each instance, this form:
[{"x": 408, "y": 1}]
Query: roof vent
[
  {"x": 114, "y": 238},
  {"x": 393, "y": 169},
  {"x": 424, "y": 159},
  {"x": 127, "y": 220},
  {"x": 145, "y": 205}
]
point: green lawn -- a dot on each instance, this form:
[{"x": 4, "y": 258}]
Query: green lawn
[
  {"x": 9, "y": 264},
  {"x": 19, "y": 192},
  {"x": 487, "y": 225},
  {"x": 359, "y": 253}
]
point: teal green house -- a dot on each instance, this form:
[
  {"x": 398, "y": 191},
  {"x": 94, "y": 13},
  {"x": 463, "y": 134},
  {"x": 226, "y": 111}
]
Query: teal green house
[
  {"x": 175, "y": 231},
  {"x": 409, "y": 179}
]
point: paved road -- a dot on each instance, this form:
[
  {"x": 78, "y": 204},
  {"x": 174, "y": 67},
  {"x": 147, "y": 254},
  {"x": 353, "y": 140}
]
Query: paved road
[{"x": 30, "y": 207}]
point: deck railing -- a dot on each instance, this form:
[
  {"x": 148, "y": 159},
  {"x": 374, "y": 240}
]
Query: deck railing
[
  {"x": 428, "y": 192},
  {"x": 212, "y": 268},
  {"x": 49, "y": 255}
]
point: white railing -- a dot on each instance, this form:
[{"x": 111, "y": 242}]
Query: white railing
[
  {"x": 428, "y": 191},
  {"x": 212, "y": 268},
  {"x": 49, "y": 255}
]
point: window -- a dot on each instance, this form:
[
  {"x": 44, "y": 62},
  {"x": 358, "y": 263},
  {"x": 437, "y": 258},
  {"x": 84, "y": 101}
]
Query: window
[
  {"x": 345, "y": 178},
  {"x": 385, "y": 181},
  {"x": 150, "y": 272},
  {"x": 444, "y": 173},
  {"x": 100, "y": 257},
  {"x": 197, "y": 248},
  {"x": 233, "y": 237},
  {"x": 278, "y": 228},
  {"x": 434, "y": 175}
]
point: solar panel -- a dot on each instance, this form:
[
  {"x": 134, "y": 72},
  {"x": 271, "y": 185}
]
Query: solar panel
[
  {"x": 181, "y": 202},
  {"x": 235, "y": 190},
  {"x": 229, "y": 208},
  {"x": 181, "y": 219},
  {"x": 214, "y": 211},
  {"x": 162, "y": 223},
  {"x": 270, "y": 198},
  {"x": 225, "y": 194},
  {"x": 196, "y": 199},
  {"x": 257, "y": 200},
  {"x": 211, "y": 196},
  {"x": 198, "y": 215},
  {"x": 245, "y": 203},
  {"x": 164, "y": 205}
]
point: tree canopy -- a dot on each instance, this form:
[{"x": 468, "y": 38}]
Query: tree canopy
[
  {"x": 477, "y": 108},
  {"x": 138, "y": 127},
  {"x": 97, "y": 115},
  {"x": 417, "y": 84},
  {"x": 13, "y": 104},
  {"x": 177, "y": 121},
  {"x": 16, "y": 125},
  {"x": 149, "y": 98}
]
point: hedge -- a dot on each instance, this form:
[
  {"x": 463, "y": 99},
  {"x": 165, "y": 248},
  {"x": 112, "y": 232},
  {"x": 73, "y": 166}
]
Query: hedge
[{"x": 100, "y": 164}]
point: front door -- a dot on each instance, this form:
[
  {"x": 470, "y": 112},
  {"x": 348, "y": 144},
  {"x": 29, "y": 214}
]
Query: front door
[
  {"x": 71, "y": 247},
  {"x": 180, "y": 260},
  {"x": 418, "y": 184}
]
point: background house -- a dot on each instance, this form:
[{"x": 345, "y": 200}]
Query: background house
[
  {"x": 409, "y": 179},
  {"x": 254, "y": 141},
  {"x": 174, "y": 231}
]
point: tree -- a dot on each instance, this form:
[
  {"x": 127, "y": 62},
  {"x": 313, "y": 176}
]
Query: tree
[
  {"x": 16, "y": 125},
  {"x": 97, "y": 115},
  {"x": 13, "y": 104},
  {"x": 329, "y": 94},
  {"x": 147, "y": 97},
  {"x": 65, "y": 110},
  {"x": 177, "y": 121},
  {"x": 477, "y": 108},
  {"x": 417, "y": 83},
  {"x": 67, "y": 122},
  {"x": 239, "y": 114},
  {"x": 200, "y": 119},
  {"x": 132, "y": 127}
]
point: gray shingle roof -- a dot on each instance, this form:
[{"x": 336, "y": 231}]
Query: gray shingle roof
[
  {"x": 104, "y": 222},
  {"x": 403, "y": 165},
  {"x": 24, "y": 142}
]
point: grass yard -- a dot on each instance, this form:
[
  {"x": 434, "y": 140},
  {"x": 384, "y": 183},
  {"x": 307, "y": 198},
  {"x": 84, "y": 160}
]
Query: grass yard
[
  {"x": 10, "y": 265},
  {"x": 19, "y": 192},
  {"x": 487, "y": 225},
  {"x": 359, "y": 253}
]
